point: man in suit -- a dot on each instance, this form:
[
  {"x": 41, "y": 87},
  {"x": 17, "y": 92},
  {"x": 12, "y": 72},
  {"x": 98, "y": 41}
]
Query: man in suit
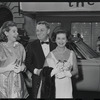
[{"x": 36, "y": 53}]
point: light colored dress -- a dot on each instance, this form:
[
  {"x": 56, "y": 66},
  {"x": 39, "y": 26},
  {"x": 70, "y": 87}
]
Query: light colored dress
[
  {"x": 63, "y": 82},
  {"x": 12, "y": 85}
]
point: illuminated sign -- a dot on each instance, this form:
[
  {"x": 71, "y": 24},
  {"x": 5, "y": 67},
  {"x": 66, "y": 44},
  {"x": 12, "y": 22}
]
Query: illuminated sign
[{"x": 60, "y": 6}]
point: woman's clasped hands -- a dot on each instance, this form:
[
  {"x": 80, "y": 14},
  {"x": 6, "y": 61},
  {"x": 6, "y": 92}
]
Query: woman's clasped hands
[
  {"x": 19, "y": 66},
  {"x": 57, "y": 69},
  {"x": 61, "y": 67},
  {"x": 16, "y": 66}
]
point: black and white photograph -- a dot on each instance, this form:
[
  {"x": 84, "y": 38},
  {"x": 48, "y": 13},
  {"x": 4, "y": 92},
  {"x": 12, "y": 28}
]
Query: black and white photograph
[{"x": 50, "y": 50}]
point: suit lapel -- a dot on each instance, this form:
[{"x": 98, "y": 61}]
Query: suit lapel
[{"x": 39, "y": 50}]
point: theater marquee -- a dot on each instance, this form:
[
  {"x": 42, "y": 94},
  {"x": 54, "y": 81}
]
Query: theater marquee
[{"x": 60, "y": 6}]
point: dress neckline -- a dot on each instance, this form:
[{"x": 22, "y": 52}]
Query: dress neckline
[
  {"x": 10, "y": 46},
  {"x": 54, "y": 57},
  {"x": 65, "y": 49},
  {"x": 56, "y": 60}
]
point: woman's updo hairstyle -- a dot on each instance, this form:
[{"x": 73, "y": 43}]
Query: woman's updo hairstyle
[
  {"x": 59, "y": 31},
  {"x": 5, "y": 27}
]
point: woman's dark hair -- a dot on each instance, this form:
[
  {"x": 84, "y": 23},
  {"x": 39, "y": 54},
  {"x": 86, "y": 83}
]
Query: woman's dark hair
[
  {"x": 6, "y": 27},
  {"x": 54, "y": 34}
]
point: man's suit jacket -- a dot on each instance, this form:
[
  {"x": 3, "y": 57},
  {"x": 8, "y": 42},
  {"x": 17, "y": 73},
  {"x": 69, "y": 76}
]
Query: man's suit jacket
[{"x": 35, "y": 59}]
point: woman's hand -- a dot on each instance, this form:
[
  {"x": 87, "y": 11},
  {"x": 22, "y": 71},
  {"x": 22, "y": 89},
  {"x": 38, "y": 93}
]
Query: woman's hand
[
  {"x": 19, "y": 66},
  {"x": 23, "y": 67},
  {"x": 67, "y": 66},
  {"x": 10, "y": 67},
  {"x": 55, "y": 71}
]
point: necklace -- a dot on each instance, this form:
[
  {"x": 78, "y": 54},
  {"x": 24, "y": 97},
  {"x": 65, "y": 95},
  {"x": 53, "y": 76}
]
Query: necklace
[{"x": 62, "y": 51}]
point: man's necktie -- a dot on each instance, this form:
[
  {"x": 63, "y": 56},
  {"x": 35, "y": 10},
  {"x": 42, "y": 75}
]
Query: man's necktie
[{"x": 44, "y": 42}]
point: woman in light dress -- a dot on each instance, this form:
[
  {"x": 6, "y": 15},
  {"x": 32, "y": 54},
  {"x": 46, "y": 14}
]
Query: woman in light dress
[
  {"x": 12, "y": 55},
  {"x": 64, "y": 65}
]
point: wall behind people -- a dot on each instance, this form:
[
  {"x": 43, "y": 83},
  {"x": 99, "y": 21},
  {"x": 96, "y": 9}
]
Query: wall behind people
[
  {"x": 65, "y": 18},
  {"x": 23, "y": 38},
  {"x": 56, "y": 19},
  {"x": 10, "y": 11},
  {"x": 29, "y": 27}
]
